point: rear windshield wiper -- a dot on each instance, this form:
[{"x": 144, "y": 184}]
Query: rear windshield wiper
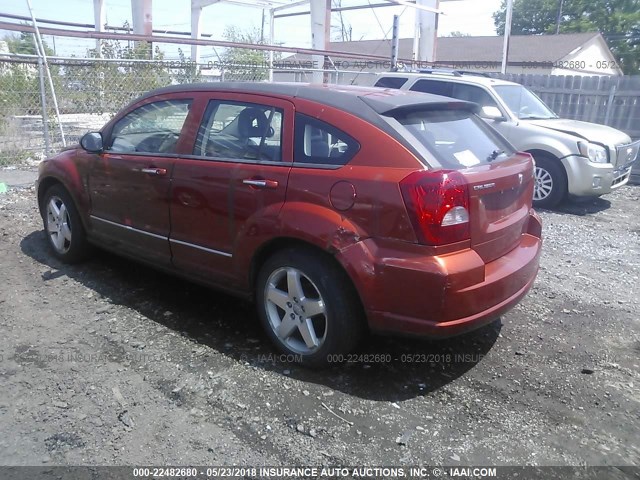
[{"x": 495, "y": 154}]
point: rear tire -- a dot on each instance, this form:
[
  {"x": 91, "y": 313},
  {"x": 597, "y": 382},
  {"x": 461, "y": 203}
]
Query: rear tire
[
  {"x": 62, "y": 226},
  {"x": 308, "y": 307},
  {"x": 550, "y": 186}
]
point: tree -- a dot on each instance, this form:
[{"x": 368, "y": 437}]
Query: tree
[
  {"x": 106, "y": 86},
  {"x": 25, "y": 44},
  {"x": 617, "y": 20},
  {"x": 189, "y": 73},
  {"x": 458, "y": 33},
  {"x": 244, "y": 64}
]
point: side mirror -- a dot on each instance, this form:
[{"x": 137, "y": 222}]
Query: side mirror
[
  {"x": 492, "y": 113},
  {"x": 92, "y": 142}
]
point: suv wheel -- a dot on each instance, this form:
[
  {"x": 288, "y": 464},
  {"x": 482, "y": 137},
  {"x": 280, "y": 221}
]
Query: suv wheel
[
  {"x": 308, "y": 306},
  {"x": 62, "y": 226},
  {"x": 550, "y": 186}
]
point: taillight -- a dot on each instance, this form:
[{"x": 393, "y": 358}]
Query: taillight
[{"x": 438, "y": 205}]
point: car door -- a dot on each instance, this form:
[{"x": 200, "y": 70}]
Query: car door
[
  {"x": 129, "y": 182},
  {"x": 226, "y": 196}
]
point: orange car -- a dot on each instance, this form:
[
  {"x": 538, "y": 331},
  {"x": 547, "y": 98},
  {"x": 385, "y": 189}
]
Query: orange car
[{"x": 335, "y": 209}]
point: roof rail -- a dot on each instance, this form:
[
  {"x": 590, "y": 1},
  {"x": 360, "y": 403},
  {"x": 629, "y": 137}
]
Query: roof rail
[{"x": 451, "y": 71}]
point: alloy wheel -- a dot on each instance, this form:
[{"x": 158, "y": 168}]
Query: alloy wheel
[
  {"x": 543, "y": 184},
  {"x": 58, "y": 225},
  {"x": 295, "y": 310}
]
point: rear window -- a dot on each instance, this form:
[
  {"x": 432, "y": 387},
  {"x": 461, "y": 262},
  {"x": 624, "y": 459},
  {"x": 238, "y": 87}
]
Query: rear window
[
  {"x": 457, "y": 138},
  {"x": 391, "y": 82}
]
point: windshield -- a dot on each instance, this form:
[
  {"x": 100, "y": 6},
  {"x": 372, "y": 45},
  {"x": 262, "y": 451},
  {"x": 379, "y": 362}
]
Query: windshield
[
  {"x": 524, "y": 103},
  {"x": 457, "y": 138}
]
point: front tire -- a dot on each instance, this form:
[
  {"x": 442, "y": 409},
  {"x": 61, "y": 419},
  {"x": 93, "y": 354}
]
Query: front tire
[
  {"x": 308, "y": 306},
  {"x": 63, "y": 227},
  {"x": 550, "y": 186}
]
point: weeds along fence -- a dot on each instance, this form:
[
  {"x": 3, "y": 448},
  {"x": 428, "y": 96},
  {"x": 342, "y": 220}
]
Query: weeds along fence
[{"x": 90, "y": 91}]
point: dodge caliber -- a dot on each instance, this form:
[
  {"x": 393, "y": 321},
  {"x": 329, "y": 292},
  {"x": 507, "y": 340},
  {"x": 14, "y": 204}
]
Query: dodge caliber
[{"x": 335, "y": 209}]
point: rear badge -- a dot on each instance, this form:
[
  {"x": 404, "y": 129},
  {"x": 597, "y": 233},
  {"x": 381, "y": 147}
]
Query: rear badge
[{"x": 484, "y": 186}]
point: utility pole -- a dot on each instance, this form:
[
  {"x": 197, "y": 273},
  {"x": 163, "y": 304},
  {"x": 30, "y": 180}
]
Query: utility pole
[
  {"x": 394, "y": 43},
  {"x": 507, "y": 35},
  {"x": 561, "y": 4}
]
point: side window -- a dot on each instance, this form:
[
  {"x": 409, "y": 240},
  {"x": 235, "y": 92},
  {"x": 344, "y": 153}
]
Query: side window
[
  {"x": 317, "y": 142},
  {"x": 391, "y": 82},
  {"x": 240, "y": 130},
  {"x": 151, "y": 128},
  {"x": 473, "y": 94},
  {"x": 432, "y": 86}
]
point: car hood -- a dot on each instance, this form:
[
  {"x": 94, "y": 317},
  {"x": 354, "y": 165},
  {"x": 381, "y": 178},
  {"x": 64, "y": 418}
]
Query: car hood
[{"x": 588, "y": 131}]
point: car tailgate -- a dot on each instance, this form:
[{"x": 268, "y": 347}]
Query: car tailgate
[{"x": 500, "y": 200}]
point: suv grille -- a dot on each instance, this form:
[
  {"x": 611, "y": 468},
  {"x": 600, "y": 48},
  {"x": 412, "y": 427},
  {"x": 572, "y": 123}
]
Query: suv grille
[{"x": 627, "y": 153}]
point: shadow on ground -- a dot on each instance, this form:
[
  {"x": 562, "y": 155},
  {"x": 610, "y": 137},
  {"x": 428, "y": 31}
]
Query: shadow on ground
[
  {"x": 582, "y": 206},
  {"x": 390, "y": 369}
]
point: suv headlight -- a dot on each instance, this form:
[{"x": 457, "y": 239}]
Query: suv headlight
[{"x": 595, "y": 153}]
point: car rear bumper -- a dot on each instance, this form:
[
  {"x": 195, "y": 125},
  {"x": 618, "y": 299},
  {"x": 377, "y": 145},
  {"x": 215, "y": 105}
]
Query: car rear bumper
[{"x": 442, "y": 295}]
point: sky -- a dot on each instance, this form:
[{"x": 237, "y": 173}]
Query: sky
[{"x": 472, "y": 17}]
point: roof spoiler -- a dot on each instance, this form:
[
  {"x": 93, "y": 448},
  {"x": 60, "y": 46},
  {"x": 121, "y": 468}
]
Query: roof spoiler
[{"x": 394, "y": 105}]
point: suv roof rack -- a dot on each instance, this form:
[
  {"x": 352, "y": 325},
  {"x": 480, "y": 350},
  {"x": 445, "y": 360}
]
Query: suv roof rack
[{"x": 451, "y": 71}]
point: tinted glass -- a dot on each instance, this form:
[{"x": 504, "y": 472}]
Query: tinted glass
[
  {"x": 457, "y": 138},
  {"x": 432, "y": 86},
  {"x": 152, "y": 128},
  {"x": 474, "y": 94},
  {"x": 391, "y": 82},
  {"x": 319, "y": 143},
  {"x": 240, "y": 130}
]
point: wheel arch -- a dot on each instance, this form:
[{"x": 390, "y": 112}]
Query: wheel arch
[
  {"x": 550, "y": 156},
  {"x": 45, "y": 183}
]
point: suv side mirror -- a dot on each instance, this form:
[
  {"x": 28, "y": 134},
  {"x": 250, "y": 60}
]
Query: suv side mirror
[
  {"x": 492, "y": 113},
  {"x": 92, "y": 142}
]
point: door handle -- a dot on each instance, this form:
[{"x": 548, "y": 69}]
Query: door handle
[
  {"x": 260, "y": 183},
  {"x": 154, "y": 171}
]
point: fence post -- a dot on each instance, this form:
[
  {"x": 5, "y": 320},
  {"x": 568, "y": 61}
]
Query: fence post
[
  {"x": 612, "y": 97},
  {"x": 43, "y": 102}
]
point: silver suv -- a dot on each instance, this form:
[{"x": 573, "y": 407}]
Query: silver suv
[{"x": 572, "y": 157}]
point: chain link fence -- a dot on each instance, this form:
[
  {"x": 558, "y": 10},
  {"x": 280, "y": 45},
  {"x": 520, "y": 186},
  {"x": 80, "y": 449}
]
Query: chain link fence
[{"x": 90, "y": 91}]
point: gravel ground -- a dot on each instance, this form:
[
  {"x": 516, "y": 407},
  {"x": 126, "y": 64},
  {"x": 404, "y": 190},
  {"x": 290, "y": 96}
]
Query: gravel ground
[{"x": 111, "y": 363}]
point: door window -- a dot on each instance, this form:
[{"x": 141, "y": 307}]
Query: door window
[
  {"x": 240, "y": 130},
  {"x": 152, "y": 128}
]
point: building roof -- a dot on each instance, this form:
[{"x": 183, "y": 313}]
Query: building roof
[{"x": 522, "y": 48}]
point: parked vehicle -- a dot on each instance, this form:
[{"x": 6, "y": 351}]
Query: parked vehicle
[
  {"x": 572, "y": 157},
  {"x": 336, "y": 209}
]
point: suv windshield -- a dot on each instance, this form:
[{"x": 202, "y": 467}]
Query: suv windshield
[
  {"x": 457, "y": 138},
  {"x": 523, "y": 103}
]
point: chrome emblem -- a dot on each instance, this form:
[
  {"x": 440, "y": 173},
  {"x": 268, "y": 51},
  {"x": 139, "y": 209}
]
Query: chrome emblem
[
  {"x": 520, "y": 178},
  {"x": 484, "y": 186}
]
